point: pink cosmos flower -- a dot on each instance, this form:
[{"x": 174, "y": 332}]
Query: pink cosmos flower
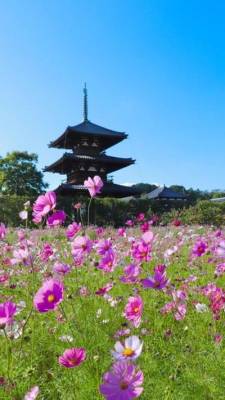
[
  {"x": 170, "y": 252},
  {"x": 220, "y": 269},
  {"x": 72, "y": 357},
  {"x": 103, "y": 246},
  {"x": 73, "y": 229},
  {"x": 159, "y": 279},
  {"x": 131, "y": 273},
  {"x": 141, "y": 251},
  {"x": 129, "y": 222},
  {"x": 81, "y": 245},
  {"x": 103, "y": 290},
  {"x": 176, "y": 222},
  {"x": 133, "y": 310},
  {"x": 56, "y": 219},
  {"x": 148, "y": 237},
  {"x": 180, "y": 312},
  {"x": 121, "y": 232},
  {"x": 220, "y": 249},
  {"x": 145, "y": 226},
  {"x": 77, "y": 206},
  {"x": 21, "y": 256},
  {"x": 43, "y": 205},
  {"x": 61, "y": 269},
  {"x": 32, "y": 394},
  {"x": 178, "y": 305},
  {"x": 49, "y": 296},
  {"x": 94, "y": 185},
  {"x": 217, "y": 302},
  {"x": 122, "y": 382},
  {"x": 46, "y": 252},
  {"x": 130, "y": 350},
  {"x": 140, "y": 217},
  {"x": 2, "y": 231},
  {"x": 7, "y": 311},
  {"x": 99, "y": 230},
  {"x": 199, "y": 248},
  {"x": 108, "y": 262},
  {"x": 218, "y": 338}
]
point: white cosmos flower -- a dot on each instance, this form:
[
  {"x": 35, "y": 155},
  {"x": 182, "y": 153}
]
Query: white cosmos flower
[
  {"x": 23, "y": 214},
  {"x": 200, "y": 307},
  {"x": 131, "y": 349}
]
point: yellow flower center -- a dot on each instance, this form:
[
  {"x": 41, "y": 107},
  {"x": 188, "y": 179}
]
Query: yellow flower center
[
  {"x": 128, "y": 352},
  {"x": 51, "y": 298},
  {"x": 136, "y": 309}
]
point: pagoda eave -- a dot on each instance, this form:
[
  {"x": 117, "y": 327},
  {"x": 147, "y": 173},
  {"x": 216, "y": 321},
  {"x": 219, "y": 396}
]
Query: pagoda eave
[
  {"x": 109, "y": 190},
  {"x": 71, "y": 161}
]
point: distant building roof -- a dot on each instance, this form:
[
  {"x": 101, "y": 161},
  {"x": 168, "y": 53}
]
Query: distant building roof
[{"x": 165, "y": 193}]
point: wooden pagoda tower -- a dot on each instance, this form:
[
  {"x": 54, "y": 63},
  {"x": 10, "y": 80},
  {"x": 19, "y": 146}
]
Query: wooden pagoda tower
[{"x": 88, "y": 143}]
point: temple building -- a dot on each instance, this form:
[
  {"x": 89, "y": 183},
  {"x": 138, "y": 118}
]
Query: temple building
[{"x": 88, "y": 143}]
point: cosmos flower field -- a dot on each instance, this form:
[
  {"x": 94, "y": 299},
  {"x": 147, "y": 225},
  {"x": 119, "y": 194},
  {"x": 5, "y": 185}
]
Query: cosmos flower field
[{"x": 101, "y": 313}]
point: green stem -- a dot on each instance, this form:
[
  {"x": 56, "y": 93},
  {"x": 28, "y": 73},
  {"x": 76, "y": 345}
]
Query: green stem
[
  {"x": 9, "y": 355},
  {"x": 89, "y": 211},
  {"x": 23, "y": 330}
]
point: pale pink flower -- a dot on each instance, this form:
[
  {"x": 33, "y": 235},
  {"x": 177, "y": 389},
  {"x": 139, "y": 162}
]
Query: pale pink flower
[
  {"x": 43, "y": 205},
  {"x": 80, "y": 246},
  {"x": 94, "y": 185},
  {"x": 32, "y": 394},
  {"x": 2, "y": 231}
]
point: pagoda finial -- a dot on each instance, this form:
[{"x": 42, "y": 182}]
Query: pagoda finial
[{"x": 85, "y": 103}]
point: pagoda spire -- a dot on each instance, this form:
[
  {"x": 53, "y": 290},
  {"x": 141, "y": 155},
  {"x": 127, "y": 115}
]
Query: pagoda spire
[{"x": 85, "y": 103}]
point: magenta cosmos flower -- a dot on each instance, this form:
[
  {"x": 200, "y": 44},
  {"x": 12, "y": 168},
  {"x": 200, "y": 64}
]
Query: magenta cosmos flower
[
  {"x": 61, "y": 269},
  {"x": 131, "y": 273},
  {"x": 49, "y": 296},
  {"x": 199, "y": 249},
  {"x": 159, "y": 279},
  {"x": 123, "y": 382},
  {"x": 44, "y": 203},
  {"x": 94, "y": 185},
  {"x": 72, "y": 357},
  {"x": 7, "y": 311},
  {"x": 56, "y": 219},
  {"x": 133, "y": 310}
]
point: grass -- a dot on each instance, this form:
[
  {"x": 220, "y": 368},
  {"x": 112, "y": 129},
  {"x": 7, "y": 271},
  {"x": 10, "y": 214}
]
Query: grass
[{"x": 180, "y": 359}]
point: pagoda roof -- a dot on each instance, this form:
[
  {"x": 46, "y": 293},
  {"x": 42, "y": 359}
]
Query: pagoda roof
[
  {"x": 164, "y": 193},
  {"x": 64, "y": 164},
  {"x": 72, "y": 135},
  {"x": 108, "y": 190}
]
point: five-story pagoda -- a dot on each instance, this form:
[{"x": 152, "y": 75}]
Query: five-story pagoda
[{"x": 88, "y": 143}]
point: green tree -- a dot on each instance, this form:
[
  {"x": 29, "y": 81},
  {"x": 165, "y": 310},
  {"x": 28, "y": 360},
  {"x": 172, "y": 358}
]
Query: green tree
[{"x": 19, "y": 174}]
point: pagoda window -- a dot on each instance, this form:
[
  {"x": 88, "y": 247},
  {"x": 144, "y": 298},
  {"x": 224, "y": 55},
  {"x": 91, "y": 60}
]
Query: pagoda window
[
  {"x": 93, "y": 169},
  {"x": 84, "y": 142},
  {"x": 95, "y": 143}
]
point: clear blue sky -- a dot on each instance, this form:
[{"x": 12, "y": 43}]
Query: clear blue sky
[{"x": 154, "y": 68}]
